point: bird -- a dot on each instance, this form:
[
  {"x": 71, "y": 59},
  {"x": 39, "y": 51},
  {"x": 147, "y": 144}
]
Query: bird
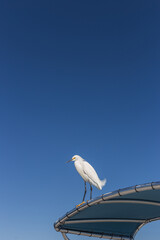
[{"x": 88, "y": 174}]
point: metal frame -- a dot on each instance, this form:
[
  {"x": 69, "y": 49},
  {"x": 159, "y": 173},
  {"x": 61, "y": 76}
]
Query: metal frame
[
  {"x": 104, "y": 199},
  {"x": 104, "y": 220}
]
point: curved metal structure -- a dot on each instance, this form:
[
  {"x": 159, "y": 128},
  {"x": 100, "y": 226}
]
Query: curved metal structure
[{"x": 117, "y": 215}]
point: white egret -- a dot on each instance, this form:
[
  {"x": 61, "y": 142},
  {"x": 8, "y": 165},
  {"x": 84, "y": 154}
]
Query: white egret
[{"x": 88, "y": 174}]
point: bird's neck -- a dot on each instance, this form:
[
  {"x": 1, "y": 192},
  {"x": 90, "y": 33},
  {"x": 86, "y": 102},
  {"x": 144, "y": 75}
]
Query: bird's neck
[{"x": 78, "y": 161}]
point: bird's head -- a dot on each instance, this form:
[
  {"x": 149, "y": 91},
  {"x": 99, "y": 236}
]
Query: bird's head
[{"x": 74, "y": 158}]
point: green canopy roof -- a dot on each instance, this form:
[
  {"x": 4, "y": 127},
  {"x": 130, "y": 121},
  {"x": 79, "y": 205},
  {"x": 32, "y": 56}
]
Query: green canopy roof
[{"x": 116, "y": 215}]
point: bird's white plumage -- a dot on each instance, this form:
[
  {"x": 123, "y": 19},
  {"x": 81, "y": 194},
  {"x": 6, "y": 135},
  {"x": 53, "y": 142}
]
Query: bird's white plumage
[{"x": 87, "y": 172}]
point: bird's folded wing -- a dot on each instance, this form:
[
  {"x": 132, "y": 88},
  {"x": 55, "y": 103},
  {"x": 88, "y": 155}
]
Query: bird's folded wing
[{"x": 91, "y": 174}]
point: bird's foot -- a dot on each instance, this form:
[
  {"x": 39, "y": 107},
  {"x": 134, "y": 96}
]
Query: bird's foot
[{"x": 80, "y": 204}]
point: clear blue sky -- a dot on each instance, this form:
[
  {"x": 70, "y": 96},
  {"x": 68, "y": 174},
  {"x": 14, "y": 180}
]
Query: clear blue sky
[{"x": 75, "y": 78}]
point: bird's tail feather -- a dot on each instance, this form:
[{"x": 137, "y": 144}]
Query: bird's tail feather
[{"x": 103, "y": 182}]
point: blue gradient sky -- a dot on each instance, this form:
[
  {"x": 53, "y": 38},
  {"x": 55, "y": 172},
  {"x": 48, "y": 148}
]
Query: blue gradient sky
[{"x": 75, "y": 78}]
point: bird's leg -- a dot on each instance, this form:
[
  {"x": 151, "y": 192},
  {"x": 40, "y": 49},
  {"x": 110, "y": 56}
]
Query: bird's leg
[
  {"x": 90, "y": 191},
  {"x": 84, "y": 191},
  {"x": 83, "y": 196}
]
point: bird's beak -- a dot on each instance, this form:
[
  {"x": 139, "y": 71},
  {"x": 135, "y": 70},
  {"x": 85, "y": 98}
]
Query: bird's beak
[{"x": 69, "y": 160}]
